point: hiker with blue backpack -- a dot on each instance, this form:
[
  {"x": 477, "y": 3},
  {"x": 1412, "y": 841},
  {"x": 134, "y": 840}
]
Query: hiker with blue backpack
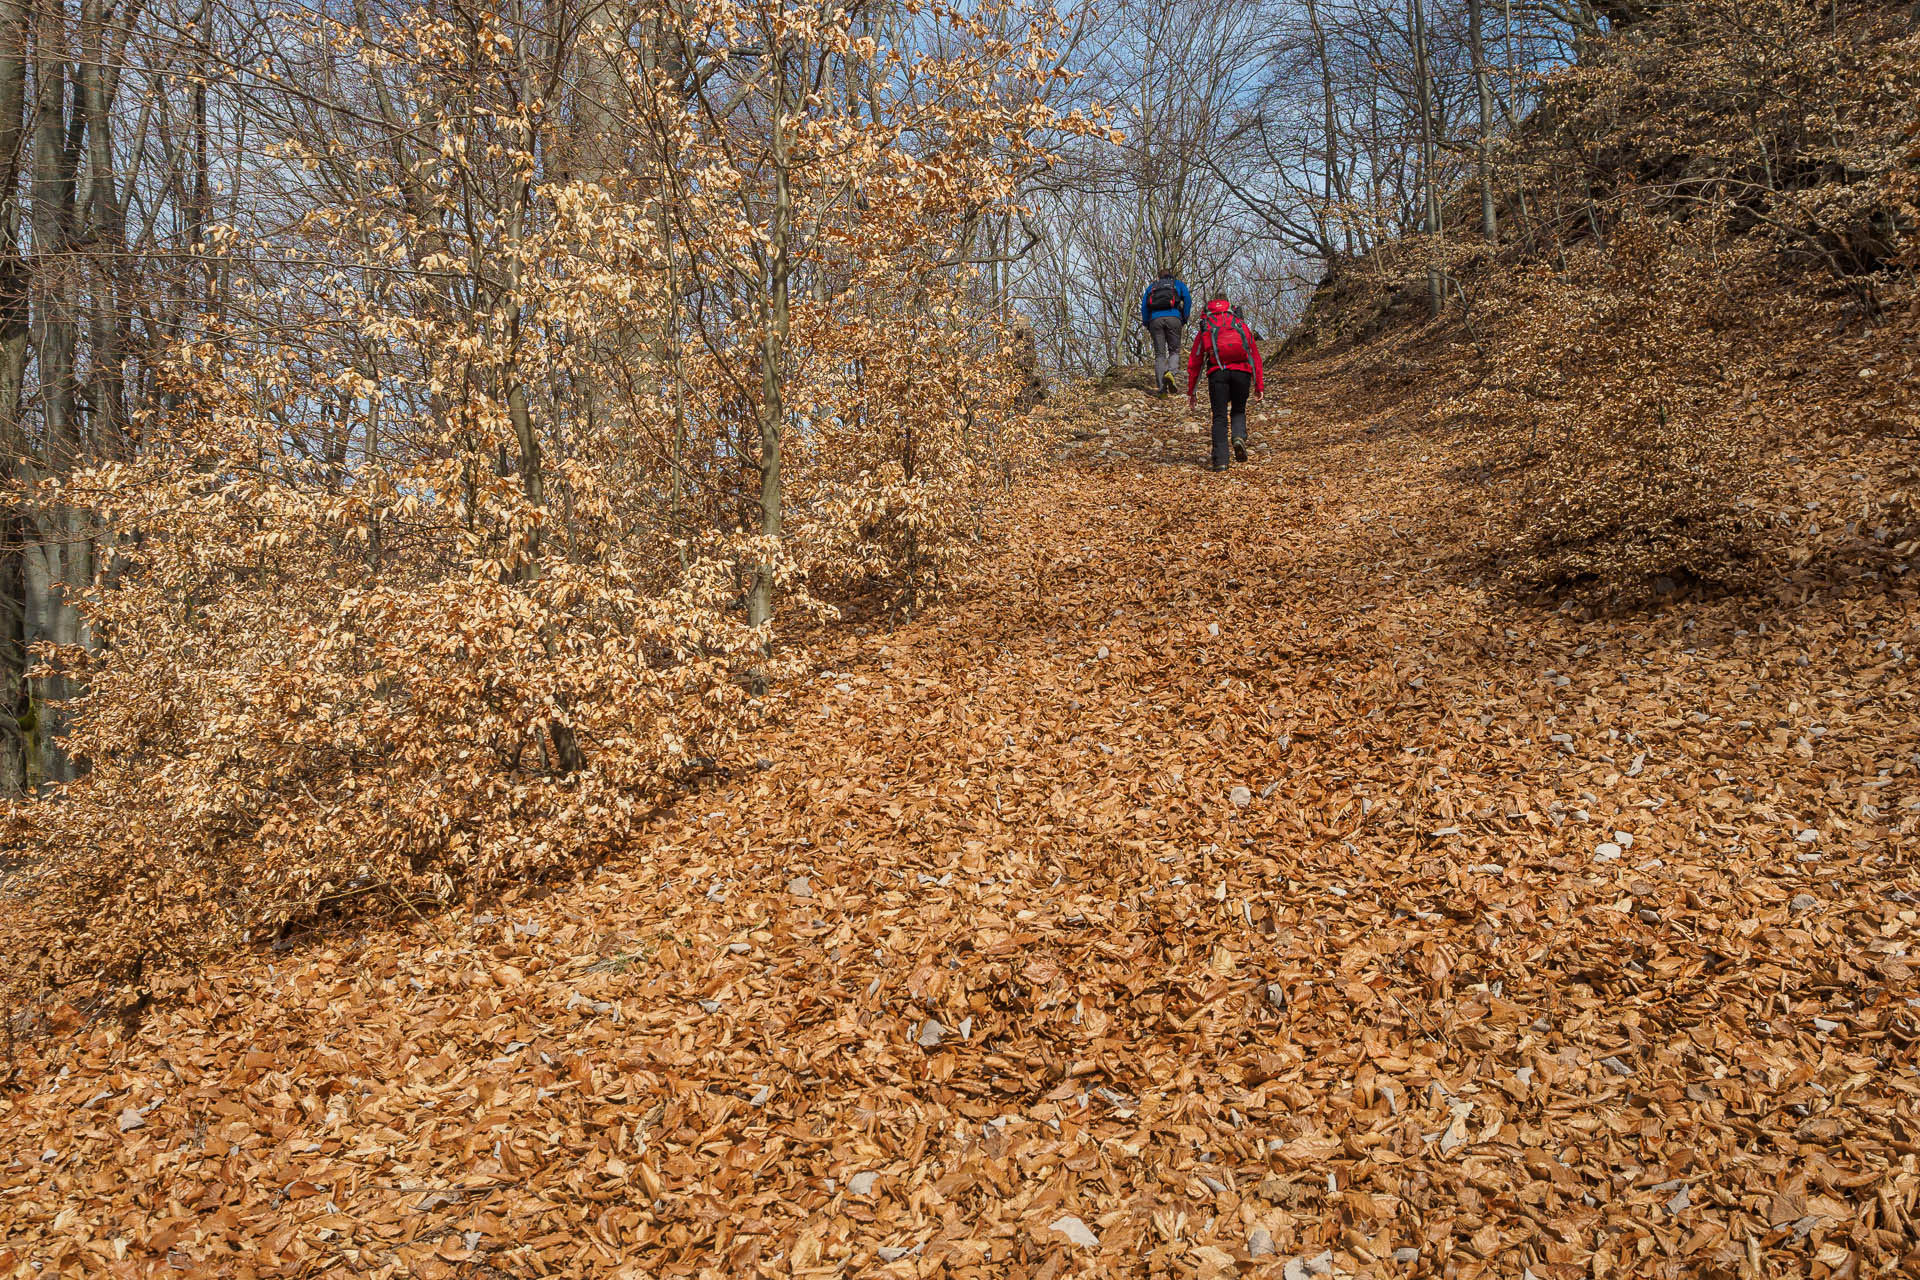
[
  {"x": 1227, "y": 351},
  {"x": 1163, "y": 314}
]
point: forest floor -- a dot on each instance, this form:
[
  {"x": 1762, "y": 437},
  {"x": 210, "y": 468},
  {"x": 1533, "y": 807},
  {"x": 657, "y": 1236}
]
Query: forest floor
[{"x": 1226, "y": 880}]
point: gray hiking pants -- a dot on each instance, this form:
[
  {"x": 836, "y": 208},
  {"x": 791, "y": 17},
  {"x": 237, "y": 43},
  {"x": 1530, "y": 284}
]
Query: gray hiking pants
[{"x": 1166, "y": 347}]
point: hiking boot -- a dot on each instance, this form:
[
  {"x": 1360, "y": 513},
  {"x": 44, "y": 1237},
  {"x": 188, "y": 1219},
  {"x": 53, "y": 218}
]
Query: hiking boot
[
  {"x": 1239, "y": 450},
  {"x": 1166, "y": 384}
]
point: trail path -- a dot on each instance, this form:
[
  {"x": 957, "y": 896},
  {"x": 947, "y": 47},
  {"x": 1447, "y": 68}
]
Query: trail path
[{"x": 1222, "y": 881}]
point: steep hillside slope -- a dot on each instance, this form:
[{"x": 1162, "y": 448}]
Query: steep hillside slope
[{"x": 1703, "y": 288}]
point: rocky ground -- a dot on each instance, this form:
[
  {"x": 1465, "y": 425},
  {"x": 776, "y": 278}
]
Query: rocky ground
[{"x": 1228, "y": 880}]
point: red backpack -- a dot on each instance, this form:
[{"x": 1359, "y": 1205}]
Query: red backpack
[{"x": 1227, "y": 344}]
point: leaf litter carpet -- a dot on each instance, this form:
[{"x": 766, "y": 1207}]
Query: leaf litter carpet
[{"x": 1223, "y": 883}]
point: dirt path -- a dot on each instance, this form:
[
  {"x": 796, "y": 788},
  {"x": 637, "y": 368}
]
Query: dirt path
[{"x": 1224, "y": 880}]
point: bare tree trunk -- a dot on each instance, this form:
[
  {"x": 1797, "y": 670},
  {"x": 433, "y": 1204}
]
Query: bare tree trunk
[
  {"x": 59, "y": 559},
  {"x": 773, "y": 351},
  {"x": 1489, "y": 224},
  {"x": 1436, "y": 295},
  {"x": 1336, "y": 191},
  {"x": 16, "y": 730}
]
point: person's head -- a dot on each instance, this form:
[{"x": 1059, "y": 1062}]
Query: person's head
[
  {"x": 1220, "y": 298},
  {"x": 1168, "y": 273}
]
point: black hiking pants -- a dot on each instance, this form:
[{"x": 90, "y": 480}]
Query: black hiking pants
[{"x": 1227, "y": 393}]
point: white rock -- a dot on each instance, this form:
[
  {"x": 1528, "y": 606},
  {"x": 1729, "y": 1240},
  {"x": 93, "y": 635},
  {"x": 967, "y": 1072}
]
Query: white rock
[
  {"x": 1606, "y": 851},
  {"x": 930, "y": 1033},
  {"x": 861, "y": 1184},
  {"x": 800, "y": 887},
  {"x": 1304, "y": 1268},
  {"x": 1808, "y": 836},
  {"x": 131, "y": 1119},
  {"x": 1241, "y": 797},
  {"x": 1624, "y": 839},
  {"x": 1213, "y": 629},
  {"x": 1077, "y": 1231},
  {"x": 1260, "y": 1243}
]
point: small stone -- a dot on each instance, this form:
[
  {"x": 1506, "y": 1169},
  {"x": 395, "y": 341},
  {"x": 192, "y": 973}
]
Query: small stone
[
  {"x": 861, "y": 1184},
  {"x": 1808, "y": 836},
  {"x": 891, "y": 1253},
  {"x": 1241, "y": 797},
  {"x": 800, "y": 887},
  {"x": 930, "y": 1033},
  {"x": 1616, "y": 1066},
  {"x": 1624, "y": 839},
  {"x": 131, "y": 1119},
  {"x": 1260, "y": 1243},
  {"x": 1803, "y": 902},
  {"x": 760, "y": 1096},
  {"x": 1824, "y": 1024},
  {"x": 1077, "y": 1231},
  {"x": 1525, "y": 1076},
  {"x": 1606, "y": 851},
  {"x": 738, "y": 948},
  {"x": 1276, "y": 995},
  {"x": 1102, "y": 652},
  {"x": 1213, "y": 1184},
  {"x": 1213, "y": 629},
  {"x": 1406, "y": 1253},
  {"x": 1321, "y": 1264},
  {"x": 710, "y": 1006}
]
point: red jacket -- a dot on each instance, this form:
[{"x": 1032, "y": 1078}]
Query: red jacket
[{"x": 1200, "y": 359}]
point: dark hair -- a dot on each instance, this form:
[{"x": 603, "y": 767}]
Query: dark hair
[{"x": 1169, "y": 271}]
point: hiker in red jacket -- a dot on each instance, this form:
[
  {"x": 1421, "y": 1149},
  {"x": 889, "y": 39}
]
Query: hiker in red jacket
[{"x": 1225, "y": 348}]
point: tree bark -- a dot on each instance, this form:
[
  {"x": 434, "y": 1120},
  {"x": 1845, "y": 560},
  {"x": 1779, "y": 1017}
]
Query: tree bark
[
  {"x": 1436, "y": 295},
  {"x": 16, "y": 718},
  {"x": 1489, "y": 222},
  {"x": 59, "y": 560},
  {"x": 773, "y": 354}
]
